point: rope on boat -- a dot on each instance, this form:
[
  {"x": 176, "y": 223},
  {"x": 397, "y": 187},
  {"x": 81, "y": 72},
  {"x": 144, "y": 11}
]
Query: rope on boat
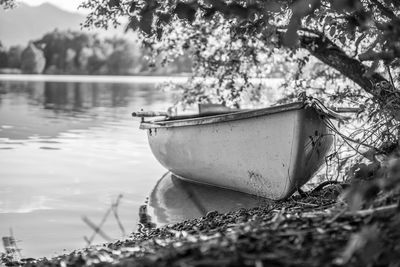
[{"x": 327, "y": 114}]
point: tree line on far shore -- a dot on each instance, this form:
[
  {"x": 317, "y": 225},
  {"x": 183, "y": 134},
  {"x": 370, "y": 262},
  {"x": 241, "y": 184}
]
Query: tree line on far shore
[{"x": 72, "y": 52}]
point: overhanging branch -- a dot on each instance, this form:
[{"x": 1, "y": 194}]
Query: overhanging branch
[
  {"x": 329, "y": 53},
  {"x": 386, "y": 11}
]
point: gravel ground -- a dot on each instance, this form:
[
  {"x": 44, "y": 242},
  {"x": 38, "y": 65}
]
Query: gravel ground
[{"x": 315, "y": 230}]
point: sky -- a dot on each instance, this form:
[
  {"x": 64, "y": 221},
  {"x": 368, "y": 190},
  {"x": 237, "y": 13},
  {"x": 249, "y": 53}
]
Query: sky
[{"x": 70, "y": 5}]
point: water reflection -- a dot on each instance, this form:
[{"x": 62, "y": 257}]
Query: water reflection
[
  {"x": 46, "y": 109},
  {"x": 81, "y": 96},
  {"x": 73, "y": 96},
  {"x": 174, "y": 200}
]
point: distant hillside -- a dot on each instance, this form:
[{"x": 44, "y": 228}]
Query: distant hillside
[{"x": 25, "y": 23}]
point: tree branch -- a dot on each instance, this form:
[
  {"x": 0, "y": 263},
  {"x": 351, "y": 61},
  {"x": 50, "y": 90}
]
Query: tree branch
[
  {"x": 386, "y": 11},
  {"x": 371, "y": 55},
  {"x": 330, "y": 54}
]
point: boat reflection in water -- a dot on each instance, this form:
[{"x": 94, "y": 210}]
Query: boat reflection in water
[{"x": 174, "y": 200}]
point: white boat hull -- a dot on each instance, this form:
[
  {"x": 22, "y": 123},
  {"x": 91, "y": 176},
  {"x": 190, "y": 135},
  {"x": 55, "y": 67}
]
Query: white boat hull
[{"x": 269, "y": 152}]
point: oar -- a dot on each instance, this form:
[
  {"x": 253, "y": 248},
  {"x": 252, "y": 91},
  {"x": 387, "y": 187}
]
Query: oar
[
  {"x": 211, "y": 109},
  {"x": 346, "y": 110},
  {"x": 203, "y": 110},
  {"x": 150, "y": 114}
]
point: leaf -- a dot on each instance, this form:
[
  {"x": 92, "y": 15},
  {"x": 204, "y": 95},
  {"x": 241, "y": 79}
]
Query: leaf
[
  {"x": 159, "y": 33},
  {"x": 186, "y": 45},
  {"x": 272, "y": 6},
  {"x": 366, "y": 243},
  {"x": 366, "y": 171},
  {"x": 342, "y": 40},
  {"x": 361, "y": 193},
  {"x": 132, "y": 8},
  {"x": 328, "y": 19},
  {"x": 185, "y": 11},
  {"x": 346, "y": 5},
  {"x": 332, "y": 31},
  {"x": 151, "y": 4},
  {"x": 164, "y": 17},
  {"x": 305, "y": 7},
  {"x": 219, "y": 5},
  {"x": 113, "y": 3},
  {"x": 371, "y": 191},
  {"x": 146, "y": 21},
  {"x": 133, "y": 24},
  {"x": 370, "y": 154},
  {"x": 238, "y": 10},
  {"x": 372, "y": 69},
  {"x": 209, "y": 12},
  {"x": 394, "y": 168}
]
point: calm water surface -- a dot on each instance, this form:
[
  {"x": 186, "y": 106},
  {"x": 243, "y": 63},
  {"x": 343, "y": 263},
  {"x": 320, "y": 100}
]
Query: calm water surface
[{"x": 68, "y": 149}]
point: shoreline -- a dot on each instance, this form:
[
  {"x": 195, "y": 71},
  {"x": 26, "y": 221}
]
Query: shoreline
[
  {"x": 302, "y": 231},
  {"x": 91, "y": 78},
  {"x": 146, "y": 79}
]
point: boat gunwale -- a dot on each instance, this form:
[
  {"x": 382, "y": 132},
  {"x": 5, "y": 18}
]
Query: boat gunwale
[{"x": 240, "y": 115}]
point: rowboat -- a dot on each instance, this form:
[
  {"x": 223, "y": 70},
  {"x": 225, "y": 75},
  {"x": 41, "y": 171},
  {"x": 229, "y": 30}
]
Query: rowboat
[{"x": 269, "y": 152}]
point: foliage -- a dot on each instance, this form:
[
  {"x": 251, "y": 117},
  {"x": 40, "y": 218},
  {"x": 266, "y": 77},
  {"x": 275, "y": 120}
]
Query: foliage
[
  {"x": 344, "y": 52},
  {"x": 14, "y": 57},
  {"x": 3, "y": 56},
  {"x": 325, "y": 28},
  {"x": 7, "y": 4},
  {"x": 71, "y": 52},
  {"x": 77, "y": 52},
  {"x": 33, "y": 60}
]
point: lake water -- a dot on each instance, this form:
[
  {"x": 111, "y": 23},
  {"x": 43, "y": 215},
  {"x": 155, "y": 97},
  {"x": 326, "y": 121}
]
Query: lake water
[{"x": 69, "y": 149}]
